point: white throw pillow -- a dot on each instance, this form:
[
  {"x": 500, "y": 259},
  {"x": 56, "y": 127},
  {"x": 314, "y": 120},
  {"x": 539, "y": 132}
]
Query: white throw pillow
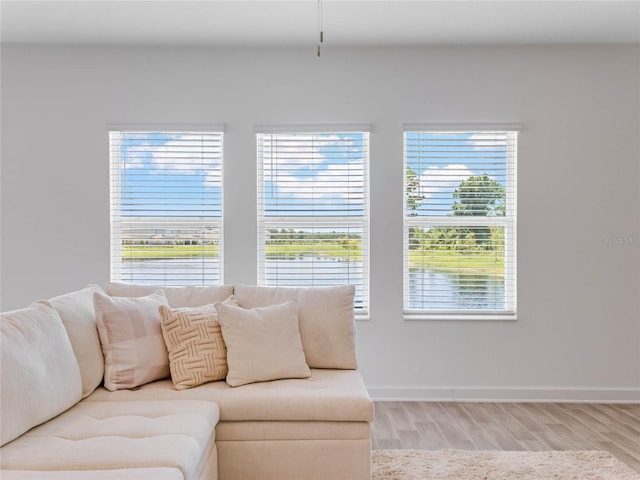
[
  {"x": 262, "y": 343},
  {"x": 40, "y": 374},
  {"x": 79, "y": 318},
  {"x": 131, "y": 338},
  {"x": 327, "y": 325},
  {"x": 177, "y": 297}
]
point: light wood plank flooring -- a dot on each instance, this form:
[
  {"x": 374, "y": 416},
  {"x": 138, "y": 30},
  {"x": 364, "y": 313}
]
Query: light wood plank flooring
[{"x": 510, "y": 426}]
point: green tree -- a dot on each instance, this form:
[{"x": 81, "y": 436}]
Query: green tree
[
  {"x": 480, "y": 195},
  {"x": 416, "y": 238},
  {"x": 414, "y": 198}
]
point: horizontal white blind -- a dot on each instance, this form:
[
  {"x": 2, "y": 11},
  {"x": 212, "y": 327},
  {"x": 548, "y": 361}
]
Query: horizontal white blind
[
  {"x": 166, "y": 207},
  {"x": 313, "y": 210},
  {"x": 460, "y": 222}
]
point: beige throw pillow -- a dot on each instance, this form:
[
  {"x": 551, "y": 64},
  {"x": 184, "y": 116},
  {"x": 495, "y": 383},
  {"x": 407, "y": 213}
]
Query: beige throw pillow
[
  {"x": 131, "y": 339},
  {"x": 327, "y": 326},
  {"x": 262, "y": 343},
  {"x": 197, "y": 353}
]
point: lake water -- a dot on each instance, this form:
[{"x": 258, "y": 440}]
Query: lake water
[
  {"x": 427, "y": 289},
  {"x": 172, "y": 271},
  {"x": 449, "y": 291}
]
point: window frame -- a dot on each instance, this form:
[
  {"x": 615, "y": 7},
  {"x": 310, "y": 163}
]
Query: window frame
[
  {"x": 115, "y": 167},
  {"x": 363, "y": 221},
  {"x": 509, "y": 222}
]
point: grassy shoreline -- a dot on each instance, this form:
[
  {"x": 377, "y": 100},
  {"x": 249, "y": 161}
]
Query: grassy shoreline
[
  {"x": 150, "y": 252},
  {"x": 318, "y": 250},
  {"x": 441, "y": 260},
  {"x": 448, "y": 261}
]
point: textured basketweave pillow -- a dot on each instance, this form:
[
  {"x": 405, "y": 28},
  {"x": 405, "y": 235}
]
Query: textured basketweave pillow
[
  {"x": 131, "y": 339},
  {"x": 262, "y": 343},
  {"x": 197, "y": 353}
]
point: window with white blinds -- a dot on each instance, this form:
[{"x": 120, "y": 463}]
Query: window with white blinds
[
  {"x": 166, "y": 207},
  {"x": 313, "y": 202},
  {"x": 460, "y": 223}
]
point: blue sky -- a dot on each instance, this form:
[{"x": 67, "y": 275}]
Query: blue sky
[
  {"x": 442, "y": 160},
  {"x": 318, "y": 174},
  {"x": 303, "y": 173},
  {"x": 171, "y": 174}
]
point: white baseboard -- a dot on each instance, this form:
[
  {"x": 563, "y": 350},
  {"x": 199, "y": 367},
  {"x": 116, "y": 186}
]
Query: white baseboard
[{"x": 502, "y": 394}]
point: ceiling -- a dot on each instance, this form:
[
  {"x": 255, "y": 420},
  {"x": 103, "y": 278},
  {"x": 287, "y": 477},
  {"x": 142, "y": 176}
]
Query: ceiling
[{"x": 295, "y": 22}]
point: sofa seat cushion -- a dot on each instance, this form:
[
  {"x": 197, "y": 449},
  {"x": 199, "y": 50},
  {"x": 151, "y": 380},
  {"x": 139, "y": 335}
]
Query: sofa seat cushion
[
  {"x": 106, "y": 435},
  {"x": 327, "y": 395},
  {"x": 115, "y": 474}
]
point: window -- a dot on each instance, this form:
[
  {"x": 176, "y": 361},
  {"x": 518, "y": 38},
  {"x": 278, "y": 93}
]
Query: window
[
  {"x": 166, "y": 207},
  {"x": 460, "y": 223},
  {"x": 313, "y": 219}
]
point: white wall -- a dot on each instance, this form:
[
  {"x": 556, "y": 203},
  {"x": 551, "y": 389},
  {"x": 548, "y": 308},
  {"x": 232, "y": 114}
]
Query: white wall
[{"x": 578, "y": 333}]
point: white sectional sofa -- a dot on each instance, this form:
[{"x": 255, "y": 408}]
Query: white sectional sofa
[{"x": 58, "y": 421}]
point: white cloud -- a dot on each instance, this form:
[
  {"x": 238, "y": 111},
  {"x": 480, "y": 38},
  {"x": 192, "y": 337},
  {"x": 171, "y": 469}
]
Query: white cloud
[
  {"x": 137, "y": 155},
  {"x": 291, "y": 149},
  {"x": 184, "y": 153},
  {"x": 293, "y": 168},
  {"x": 179, "y": 152},
  {"x": 434, "y": 179},
  {"x": 330, "y": 183}
]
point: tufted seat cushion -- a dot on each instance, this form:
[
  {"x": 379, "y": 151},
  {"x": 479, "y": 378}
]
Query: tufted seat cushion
[
  {"x": 115, "y": 474},
  {"x": 176, "y": 434}
]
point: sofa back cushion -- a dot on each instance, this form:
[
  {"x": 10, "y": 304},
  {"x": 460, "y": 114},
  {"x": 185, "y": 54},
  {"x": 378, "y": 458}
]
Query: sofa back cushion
[
  {"x": 327, "y": 326},
  {"x": 79, "y": 318},
  {"x": 40, "y": 374},
  {"x": 177, "y": 297}
]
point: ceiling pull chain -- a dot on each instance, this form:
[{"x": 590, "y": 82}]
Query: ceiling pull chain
[{"x": 320, "y": 32}]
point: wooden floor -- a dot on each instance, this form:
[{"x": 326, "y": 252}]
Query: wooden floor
[{"x": 510, "y": 426}]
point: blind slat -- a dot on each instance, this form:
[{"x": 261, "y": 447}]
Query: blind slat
[
  {"x": 166, "y": 207},
  {"x": 313, "y": 209},
  {"x": 460, "y": 222}
]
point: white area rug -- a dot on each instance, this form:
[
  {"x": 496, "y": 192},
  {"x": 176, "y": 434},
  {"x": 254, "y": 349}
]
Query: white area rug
[{"x": 497, "y": 465}]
